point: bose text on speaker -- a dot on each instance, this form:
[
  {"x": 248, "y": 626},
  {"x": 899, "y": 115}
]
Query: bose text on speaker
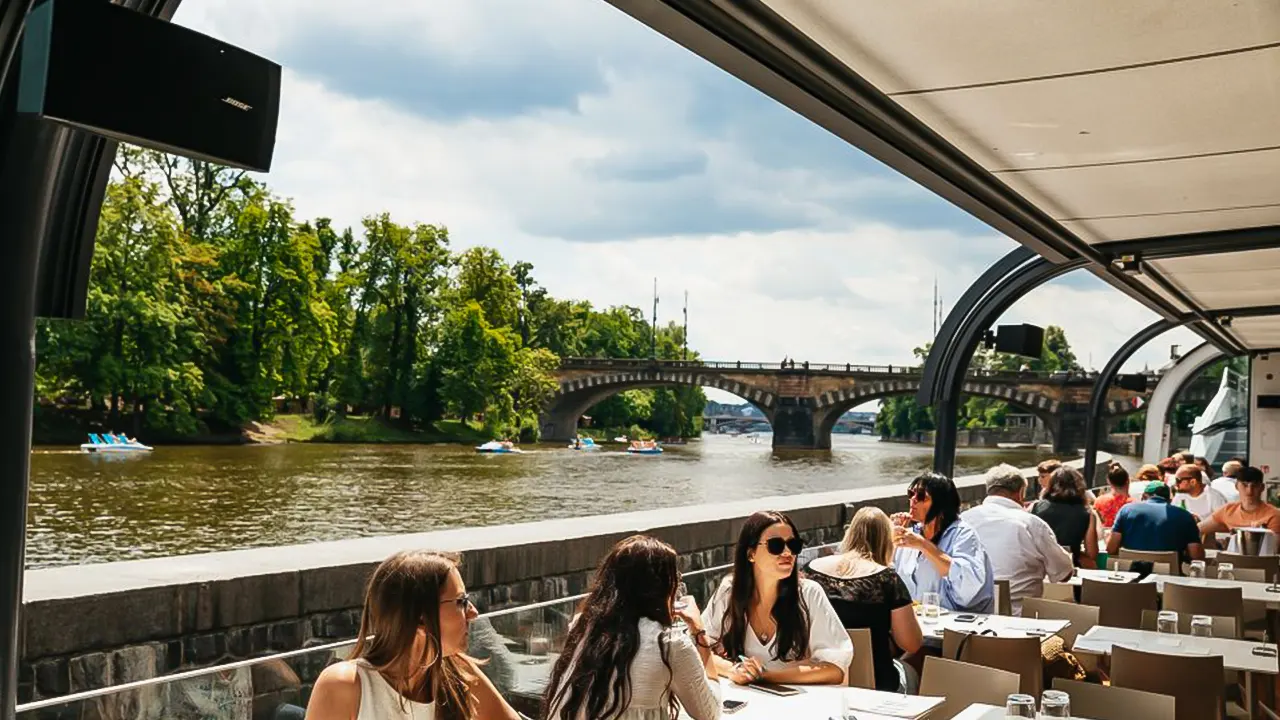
[{"x": 130, "y": 77}]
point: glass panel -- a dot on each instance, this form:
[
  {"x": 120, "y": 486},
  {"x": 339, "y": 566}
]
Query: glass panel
[{"x": 519, "y": 647}]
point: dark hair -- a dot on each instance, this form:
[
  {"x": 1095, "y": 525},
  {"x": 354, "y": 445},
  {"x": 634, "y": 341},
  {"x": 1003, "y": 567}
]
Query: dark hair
[
  {"x": 1048, "y": 466},
  {"x": 1187, "y": 458},
  {"x": 789, "y": 610},
  {"x": 1249, "y": 474},
  {"x": 403, "y": 594},
  {"x": 1169, "y": 465},
  {"x": 1117, "y": 475},
  {"x": 946, "y": 500},
  {"x": 1066, "y": 485},
  {"x": 592, "y": 677}
]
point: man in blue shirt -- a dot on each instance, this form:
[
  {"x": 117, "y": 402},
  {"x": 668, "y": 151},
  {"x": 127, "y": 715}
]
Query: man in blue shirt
[{"x": 1155, "y": 525}]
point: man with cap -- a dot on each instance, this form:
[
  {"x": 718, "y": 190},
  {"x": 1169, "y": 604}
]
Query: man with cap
[
  {"x": 1155, "y": 525},
  {"x": 1021, "y": 546}
]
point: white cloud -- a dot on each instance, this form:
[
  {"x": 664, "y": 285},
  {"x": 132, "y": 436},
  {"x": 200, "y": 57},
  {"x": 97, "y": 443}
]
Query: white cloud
[{"x": 846, "y": 287}]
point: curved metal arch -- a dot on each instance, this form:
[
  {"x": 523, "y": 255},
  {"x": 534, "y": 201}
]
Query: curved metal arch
[
  {"x": 958, "y": 351},
  {"x": 1098, "y": 398}
]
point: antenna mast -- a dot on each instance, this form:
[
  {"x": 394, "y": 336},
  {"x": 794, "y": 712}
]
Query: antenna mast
[
  {"x": 686, "y": 325},
  {"x": 653, "y": 348}
]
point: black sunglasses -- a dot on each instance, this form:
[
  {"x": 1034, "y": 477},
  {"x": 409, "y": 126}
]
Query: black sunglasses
[
  {"x": 919, "y": 494},
  {"x": 775, "y": 545}
]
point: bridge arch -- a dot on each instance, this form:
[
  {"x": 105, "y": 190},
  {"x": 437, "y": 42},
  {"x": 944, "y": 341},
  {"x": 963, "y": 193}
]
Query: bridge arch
[
  {"x": 576, "y": 396},
  {"x": 831, "y": 406}
]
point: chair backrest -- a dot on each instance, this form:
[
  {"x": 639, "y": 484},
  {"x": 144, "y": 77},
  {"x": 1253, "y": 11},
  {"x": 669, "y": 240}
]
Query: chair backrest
[
  {"x": 1203, "y": 600},
  {"x": 963, "y": 684},
  {"x": 1169, "y": 558},
  {"x": 1126, "y": 565},
  {"x": 1119, "y": 604},
  {"x": 1223, "y": 626},
  {"x": 862, "y": 670},
  {"x": 1019, "y": 655},
  {"x": 1170, "y": 675},
  {"x": 1081, "y": 617},
  {"x": 1004, "y": 604},
  {"x": 1101, "y": 702},
  {"x": 1064, "y": 592},
  {"x": 1246, "y": 574},
  {"x": 1270, "y": 564}
]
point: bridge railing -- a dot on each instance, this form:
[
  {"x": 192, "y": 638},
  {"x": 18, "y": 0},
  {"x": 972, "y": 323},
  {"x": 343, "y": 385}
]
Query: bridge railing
[{"x": 577, "y": 363}]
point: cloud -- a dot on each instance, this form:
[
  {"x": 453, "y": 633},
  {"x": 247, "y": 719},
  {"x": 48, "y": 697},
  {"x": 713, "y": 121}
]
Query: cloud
[{"x": 565, "y": 133}]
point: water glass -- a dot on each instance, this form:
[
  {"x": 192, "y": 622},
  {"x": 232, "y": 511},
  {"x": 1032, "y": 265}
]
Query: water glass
[
  {"x": 1055, "y": 704},
  {"x": 1167, "y": 622},
  {"x": 1226, "y": 571},
  {"x": 680, "y": 603},
  {"x": 1201, "y": 626},
  {"x": 1020, "y": 706},
  {"x": 1196, "y": 570},
  {"x": 931, "y": 602}
]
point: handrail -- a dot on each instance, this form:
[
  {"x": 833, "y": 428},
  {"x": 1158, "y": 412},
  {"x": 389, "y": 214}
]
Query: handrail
[
  {"x": 572, "y": 363},
  {"x": 198, "y": 672}
]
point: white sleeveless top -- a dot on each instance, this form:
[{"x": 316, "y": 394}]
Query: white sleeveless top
[{"x": 380, "y": 701}]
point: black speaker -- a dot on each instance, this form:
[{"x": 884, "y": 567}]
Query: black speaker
[
  {"x": 130, "y": 77},
  {"x": 1135, "y": 382},
  {"x": 1268, "y": 402},
  {"x": 1027, "y": 340}
]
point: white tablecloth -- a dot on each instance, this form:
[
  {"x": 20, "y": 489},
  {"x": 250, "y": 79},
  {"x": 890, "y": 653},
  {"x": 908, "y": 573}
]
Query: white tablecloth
[
  {"x": 1236, "y": 654},
  {"x": 1003, "y": 625},
  {"x": 991, "y": 712},
  {"x": 817, "y": 702}
]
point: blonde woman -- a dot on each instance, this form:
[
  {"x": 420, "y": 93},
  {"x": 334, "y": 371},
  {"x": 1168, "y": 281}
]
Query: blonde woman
[{"x": 867, "y": 593}]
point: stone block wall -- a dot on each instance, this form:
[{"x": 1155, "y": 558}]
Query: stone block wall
[{"x": 97, "y": 626}]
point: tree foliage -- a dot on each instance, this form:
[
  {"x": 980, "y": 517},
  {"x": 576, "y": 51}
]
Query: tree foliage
[{"x": 211, "y": 303}]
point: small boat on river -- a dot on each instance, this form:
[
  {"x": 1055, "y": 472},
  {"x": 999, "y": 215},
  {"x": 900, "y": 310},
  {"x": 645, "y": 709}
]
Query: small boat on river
[
  {"x": 499, "y": 447},
  {"x": 113, "y": 444},
  {"x": 583, "y": 443},
  {"x": 644, "y": 447}
]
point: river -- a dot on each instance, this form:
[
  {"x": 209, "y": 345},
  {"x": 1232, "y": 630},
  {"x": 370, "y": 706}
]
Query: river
[{"x": 180, "y": 500}]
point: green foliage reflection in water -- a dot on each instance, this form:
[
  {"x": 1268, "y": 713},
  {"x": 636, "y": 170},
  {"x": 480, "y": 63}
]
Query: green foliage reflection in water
[{"x": 211, "y": 305}]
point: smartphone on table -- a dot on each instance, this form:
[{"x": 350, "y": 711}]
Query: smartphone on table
[
  {"x": 733, "y": 706},
  {"x": 775, "y": 689}
]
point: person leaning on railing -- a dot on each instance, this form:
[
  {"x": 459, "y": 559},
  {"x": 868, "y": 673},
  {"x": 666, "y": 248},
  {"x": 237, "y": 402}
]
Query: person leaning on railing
[
  {"x": 623, "y": 660},
  {"x": 765, "y": 622},
  {"x": 408, "y": 662}
]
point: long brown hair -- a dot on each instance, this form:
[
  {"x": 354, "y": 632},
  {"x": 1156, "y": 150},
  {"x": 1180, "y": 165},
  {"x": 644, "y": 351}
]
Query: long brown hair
[
  {"x": 1066, "y": 485},
  {"x": 404, "y": 594},
  {"x": 789, "y": 610},
  {"x": 592, "y": 677}
]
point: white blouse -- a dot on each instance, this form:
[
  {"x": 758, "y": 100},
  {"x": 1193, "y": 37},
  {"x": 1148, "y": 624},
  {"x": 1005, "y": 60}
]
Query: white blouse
[
  {"x": 652, "y": 682},
  {"x": 828, "y": 641}
]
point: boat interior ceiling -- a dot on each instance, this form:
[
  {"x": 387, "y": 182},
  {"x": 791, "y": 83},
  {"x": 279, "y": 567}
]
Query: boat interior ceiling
[{"x": 1142, "y": 135}]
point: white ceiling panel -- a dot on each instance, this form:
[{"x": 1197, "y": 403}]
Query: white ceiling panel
[
  {"x": 911, "y": 45},
  {"x": 1230, "y": 280},
  {"x": 1258, "y": 333},
  {"x": 1128, "y": 228}
]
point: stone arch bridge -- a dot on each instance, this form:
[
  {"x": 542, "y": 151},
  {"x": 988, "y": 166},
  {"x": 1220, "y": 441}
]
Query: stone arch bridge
[{"x": 804, "y": 401}]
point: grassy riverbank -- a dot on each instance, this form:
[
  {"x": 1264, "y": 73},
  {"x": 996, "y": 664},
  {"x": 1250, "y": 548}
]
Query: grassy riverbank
[{"x": 304, "y": 428}]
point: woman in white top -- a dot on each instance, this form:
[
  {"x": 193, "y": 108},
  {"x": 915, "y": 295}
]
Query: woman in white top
[
  {"x": 623, "y": 658},
  {"x": 768, "y": 624},
  {"x": 408, "y": 663}
]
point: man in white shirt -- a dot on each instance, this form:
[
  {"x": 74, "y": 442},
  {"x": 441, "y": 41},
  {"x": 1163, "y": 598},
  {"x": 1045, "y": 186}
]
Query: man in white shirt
[
  {"x": 1226, "y": 485},
  {"x": 1193, "y": 496},
  {"x": 1021, "y": 546}
]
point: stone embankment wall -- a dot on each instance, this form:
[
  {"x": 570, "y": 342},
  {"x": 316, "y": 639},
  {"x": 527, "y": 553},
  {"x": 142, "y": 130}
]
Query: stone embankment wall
[{"x": 96, "y": 626}]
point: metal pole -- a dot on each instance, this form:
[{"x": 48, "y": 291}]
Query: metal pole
[
  {"x": 686, "y": 325},
  {"x": 653, "y": 349},
  {"x": 23, "y": 212},
  {"x": 946, "y": 414}
]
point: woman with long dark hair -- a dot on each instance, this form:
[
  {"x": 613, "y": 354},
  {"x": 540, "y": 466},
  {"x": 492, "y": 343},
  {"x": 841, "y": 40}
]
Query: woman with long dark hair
[
  {"x": 937, "y": 552},
  {"x": 768, "y": 624},
  {"x": 1073, "y": 523},
  {"x": 622, "y": 659},
  {"x": 408, "y": 663}
]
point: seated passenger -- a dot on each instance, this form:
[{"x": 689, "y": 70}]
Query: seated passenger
[
  {"x": 867, "y": 593},
  {"x": 1156, "y": 526},
  {"x": 768, "y": 624},
  {"x": 408, "y": 662},
  {"x": 1252, "y": 510},
  {"x": 622, "y": 658},
  {"x": 1074, "y": 524},
  {"x": 939, "y": 552}
]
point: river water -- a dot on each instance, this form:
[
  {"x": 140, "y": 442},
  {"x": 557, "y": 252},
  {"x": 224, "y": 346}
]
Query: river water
[{"x": 180, "y": 500}]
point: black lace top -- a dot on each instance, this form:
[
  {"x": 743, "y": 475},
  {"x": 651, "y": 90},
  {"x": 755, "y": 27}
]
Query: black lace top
[{"x": 867, "y": 602}]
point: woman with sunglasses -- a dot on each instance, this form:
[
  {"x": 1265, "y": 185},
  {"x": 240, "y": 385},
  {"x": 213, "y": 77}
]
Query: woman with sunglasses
[
  {"x": 622, "y": 659},
  {"x": 409, "y": 661},
  {"x": 765, "y": 622},
  {"x": 937, "y": 552}
]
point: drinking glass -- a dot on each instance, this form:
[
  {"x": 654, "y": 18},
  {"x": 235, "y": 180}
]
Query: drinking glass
[
  {"x": 1226, "y": 571},
  {"x": 1201, "y": 626},
  {"x": 1167, "y": 622},
  {"x": 1055, "y": 704},
  {"x": 1196, "y": 570},
  {"x": 932, "y": 604},
  {"x": 1020, "y": 706},
  {"x": 680, "y": 603}
]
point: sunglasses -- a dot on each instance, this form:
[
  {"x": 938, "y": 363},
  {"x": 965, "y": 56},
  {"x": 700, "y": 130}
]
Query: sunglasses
[
  {"x": 919, "y": 494},
  {"x": 463, "y": 603},
  {"x": 775, "y": 545}
]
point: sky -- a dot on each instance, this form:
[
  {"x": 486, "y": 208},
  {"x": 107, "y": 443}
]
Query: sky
[{"x": 567, "y": 134}]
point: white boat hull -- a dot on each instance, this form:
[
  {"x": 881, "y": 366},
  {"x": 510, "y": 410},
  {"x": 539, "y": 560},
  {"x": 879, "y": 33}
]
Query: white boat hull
[{"x": 115, "y": 449}]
